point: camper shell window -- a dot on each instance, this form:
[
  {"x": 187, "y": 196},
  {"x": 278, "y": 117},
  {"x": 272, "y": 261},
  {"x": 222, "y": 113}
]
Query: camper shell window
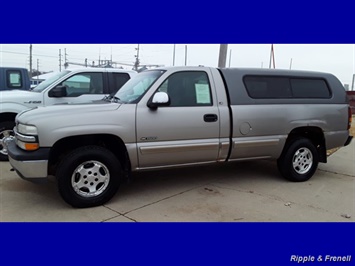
[{"x": 271, "y": 87}]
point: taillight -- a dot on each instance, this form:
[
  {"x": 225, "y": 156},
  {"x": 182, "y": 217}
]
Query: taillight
[{"x": 349, "y": 118}]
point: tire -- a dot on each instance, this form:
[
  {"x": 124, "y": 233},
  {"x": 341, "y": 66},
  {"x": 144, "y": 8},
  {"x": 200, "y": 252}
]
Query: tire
[
  {"x": 88, "y": 176},
  {"x": 299, "y": 160},
  {"x": 6, "y": 132}
]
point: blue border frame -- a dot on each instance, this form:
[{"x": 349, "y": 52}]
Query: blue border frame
[
  {"x": 301, "y": 21},
  {"x": 174, "y": 22},
  {"x": 173, "y": 243}
]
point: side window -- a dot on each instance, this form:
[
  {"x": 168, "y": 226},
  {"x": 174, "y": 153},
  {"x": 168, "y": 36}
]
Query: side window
[
  {"x": 14, "y": 79},
  {"x": 188, "y": 88},
  {"x": 84, "y": 83},
  {"x": 259, "y": 87},
  {"x": 119, "y": 79},
  {"x": 310, "y": 88}
]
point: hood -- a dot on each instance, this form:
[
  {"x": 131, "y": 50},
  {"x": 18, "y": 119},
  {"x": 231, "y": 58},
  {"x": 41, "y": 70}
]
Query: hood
[
  {"x": 65, "y": 111},
  {"x": 18, "y": 96}
]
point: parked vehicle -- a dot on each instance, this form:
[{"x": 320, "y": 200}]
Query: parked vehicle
[
  {"x": 14, "y": 78},
  {"x": 351, "y": 95},
  {"x": 181, "y": 116},
  {"x": 75, "y": 86}
]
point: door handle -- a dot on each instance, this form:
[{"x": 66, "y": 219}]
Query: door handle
[{"x": 210, "y": 118}]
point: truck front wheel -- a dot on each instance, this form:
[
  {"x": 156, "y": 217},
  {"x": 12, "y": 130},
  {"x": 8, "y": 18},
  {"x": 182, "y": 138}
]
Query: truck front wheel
[
  {"x": 88, "y": 176},
  {"x": 6, "y": 134},
  {"x": 299, "y": 161}
]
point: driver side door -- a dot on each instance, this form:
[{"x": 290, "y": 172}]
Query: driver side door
[{"x": 186, "y": 131}]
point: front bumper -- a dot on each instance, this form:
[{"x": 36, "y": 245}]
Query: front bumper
[{"x": 29, "y": 165}]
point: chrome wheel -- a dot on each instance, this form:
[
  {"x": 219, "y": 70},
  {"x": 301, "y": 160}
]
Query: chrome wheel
[
  {"x": 90, "y": 179},
  {"x": 302, "y": 161},
  {"x": 5, "y": 136}
]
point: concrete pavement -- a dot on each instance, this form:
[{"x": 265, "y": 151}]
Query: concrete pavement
[{"x": 242, "y": 191}]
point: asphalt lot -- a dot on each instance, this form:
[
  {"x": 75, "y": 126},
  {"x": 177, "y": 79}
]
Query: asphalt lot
[{"x": 242, "y": 191}]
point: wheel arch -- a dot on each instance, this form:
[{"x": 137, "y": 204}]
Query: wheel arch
[
  {"x": 314, "y": 134},
  {"x": 7, "y": 116},
  {"x": 66, "y": 145}
]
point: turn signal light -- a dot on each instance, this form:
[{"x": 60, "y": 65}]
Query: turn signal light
[{"x": 31, "y": 146}]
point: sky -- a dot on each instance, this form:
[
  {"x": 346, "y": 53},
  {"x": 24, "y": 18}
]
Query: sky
[{"x": 338, "y": 59}]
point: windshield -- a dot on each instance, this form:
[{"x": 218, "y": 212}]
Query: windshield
[
  {"x": 44, "y": 84},
  {"x": 135, "y": 88}
]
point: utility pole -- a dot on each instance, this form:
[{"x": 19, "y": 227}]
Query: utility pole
[
  {"x": 185, "y": 55},
  {"x": 65, "y": 58},
  {"x": 136, "y": 63},
  {"x": 60, "y": 60},
  {"x": 272, "y": 56},
  {"x": 230, "y": 56},
  {"x": 37, "y": 68},
  {"x": 30, "y": 60},
  {"x": 223, "y": 48},
  {"x": 174, "y": 55},
  {"x": 99, "y": 57}
]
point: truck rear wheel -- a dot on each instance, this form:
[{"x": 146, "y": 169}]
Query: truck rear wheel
[
  {"x": 88, "y": 176},
  {"x": 6, "y": 134},
  {"x": 299, "y": 161}
]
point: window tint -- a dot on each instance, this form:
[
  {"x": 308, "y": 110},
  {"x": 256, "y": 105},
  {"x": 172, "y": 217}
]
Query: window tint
[
  {"x": 14, "y": 79},
  {"x": 267, "y": 87},
  {"x": 188, "y": 89},
  {"x": 309, "y": 88},
  {"x": 262, "y": 87},
  {"x": 84, "y": 83},
  {"x": 118, "y": 80}
]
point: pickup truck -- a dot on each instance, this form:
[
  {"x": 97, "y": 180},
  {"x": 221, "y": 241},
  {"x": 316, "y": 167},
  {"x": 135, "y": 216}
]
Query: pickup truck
[
  {"x": 183, "y": 116},
  {"x": 14, "y": 78},
  {"x": 75, "y": 86}
]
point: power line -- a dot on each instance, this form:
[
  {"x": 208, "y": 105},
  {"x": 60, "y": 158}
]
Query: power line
[
  {"x": 50, "y": 56},
  {"x": 9, "y": 52}
]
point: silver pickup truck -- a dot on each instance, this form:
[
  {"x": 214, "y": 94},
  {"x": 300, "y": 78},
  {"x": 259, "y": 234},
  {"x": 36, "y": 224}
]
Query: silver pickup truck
[{"x": 183, "y": 116}]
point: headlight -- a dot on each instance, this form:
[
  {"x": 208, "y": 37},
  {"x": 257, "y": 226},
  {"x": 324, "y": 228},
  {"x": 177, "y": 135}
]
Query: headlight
[
  {"x": 26, "y": 137},
  {"x": 26, "y": 129}
]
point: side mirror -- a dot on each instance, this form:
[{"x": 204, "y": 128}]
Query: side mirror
[
  {"x": 58, "y": 91},
  {"x": 159, "y": 99}
]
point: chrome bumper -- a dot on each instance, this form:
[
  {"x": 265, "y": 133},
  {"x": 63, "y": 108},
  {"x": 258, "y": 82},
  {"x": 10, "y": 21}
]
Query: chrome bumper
[
  {"x": 32, "y": 166},
  {"x": 30, "y": 170}
]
